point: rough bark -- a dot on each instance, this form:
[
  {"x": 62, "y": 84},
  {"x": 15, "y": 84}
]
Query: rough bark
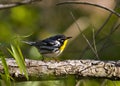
[{"x": 38, "y": 70}]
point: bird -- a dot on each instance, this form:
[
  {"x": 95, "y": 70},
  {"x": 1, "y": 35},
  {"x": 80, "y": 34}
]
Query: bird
[{"x": 52, "y": 46}]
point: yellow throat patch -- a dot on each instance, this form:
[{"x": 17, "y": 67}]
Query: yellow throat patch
[{"x": 64, "y": 45}]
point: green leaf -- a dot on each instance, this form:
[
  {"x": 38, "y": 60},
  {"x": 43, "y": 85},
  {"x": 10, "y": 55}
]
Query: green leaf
[
  {"x": 20, "y": 53},
  {"x": 17, "y": 54},
  {"x": 6, "y": 76}
]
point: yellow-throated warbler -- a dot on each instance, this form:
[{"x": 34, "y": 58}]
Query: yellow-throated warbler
[{"x": 52, "y": 46}]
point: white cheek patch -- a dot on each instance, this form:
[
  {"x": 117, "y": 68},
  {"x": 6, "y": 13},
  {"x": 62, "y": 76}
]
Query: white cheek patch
[{"x": 57, "y": 43}]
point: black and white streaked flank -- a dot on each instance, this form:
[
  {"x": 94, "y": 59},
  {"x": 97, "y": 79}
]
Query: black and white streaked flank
[{"x": 50, "y": 47}]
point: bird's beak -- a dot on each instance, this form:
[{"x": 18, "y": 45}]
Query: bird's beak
[{"x": 68, "y": 37}]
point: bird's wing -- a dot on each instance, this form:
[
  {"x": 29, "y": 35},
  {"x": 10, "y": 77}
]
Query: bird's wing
[
  {"x": 47, "y": 46},
  {"x": 50, "y": 43}
]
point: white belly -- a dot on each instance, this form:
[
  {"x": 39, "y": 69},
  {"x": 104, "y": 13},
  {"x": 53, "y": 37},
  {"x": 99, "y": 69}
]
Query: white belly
[{"x": 56, "y": 54}]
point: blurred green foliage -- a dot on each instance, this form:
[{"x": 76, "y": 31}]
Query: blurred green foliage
[{"x": 41, "y": 20}]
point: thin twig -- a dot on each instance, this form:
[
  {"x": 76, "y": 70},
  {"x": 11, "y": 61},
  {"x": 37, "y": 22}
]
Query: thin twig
[
  {"x": 88, "y": 3},
  {"x": 94, "y": 45},
  {"x": 98, "y": 31},
  {"x": 101, "y": 28},
  {"x": 108, "y": 37},
  {"x": 14, "y": 4},
  {"x": 84, "y": 35}
]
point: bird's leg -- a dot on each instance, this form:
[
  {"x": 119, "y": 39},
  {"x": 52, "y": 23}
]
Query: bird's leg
[
  {"x": 55, "y": 59},
  {"x": 43, "y": 58}
]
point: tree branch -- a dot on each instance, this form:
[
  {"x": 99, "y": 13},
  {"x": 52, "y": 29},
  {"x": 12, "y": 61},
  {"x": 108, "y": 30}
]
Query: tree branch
[
  {"x": 14, "y": 4},
  {"x": 88, "y": 3},
  {"x": 38, "y": 70}
]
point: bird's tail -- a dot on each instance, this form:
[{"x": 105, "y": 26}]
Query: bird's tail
[{"x": 29, "y": 43}]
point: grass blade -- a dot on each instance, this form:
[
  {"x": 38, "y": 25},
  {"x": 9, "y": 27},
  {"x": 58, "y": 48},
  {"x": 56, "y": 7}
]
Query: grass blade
[
  {"x": 17, "y": 54},
  {"x": 6, "y": 76}
]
